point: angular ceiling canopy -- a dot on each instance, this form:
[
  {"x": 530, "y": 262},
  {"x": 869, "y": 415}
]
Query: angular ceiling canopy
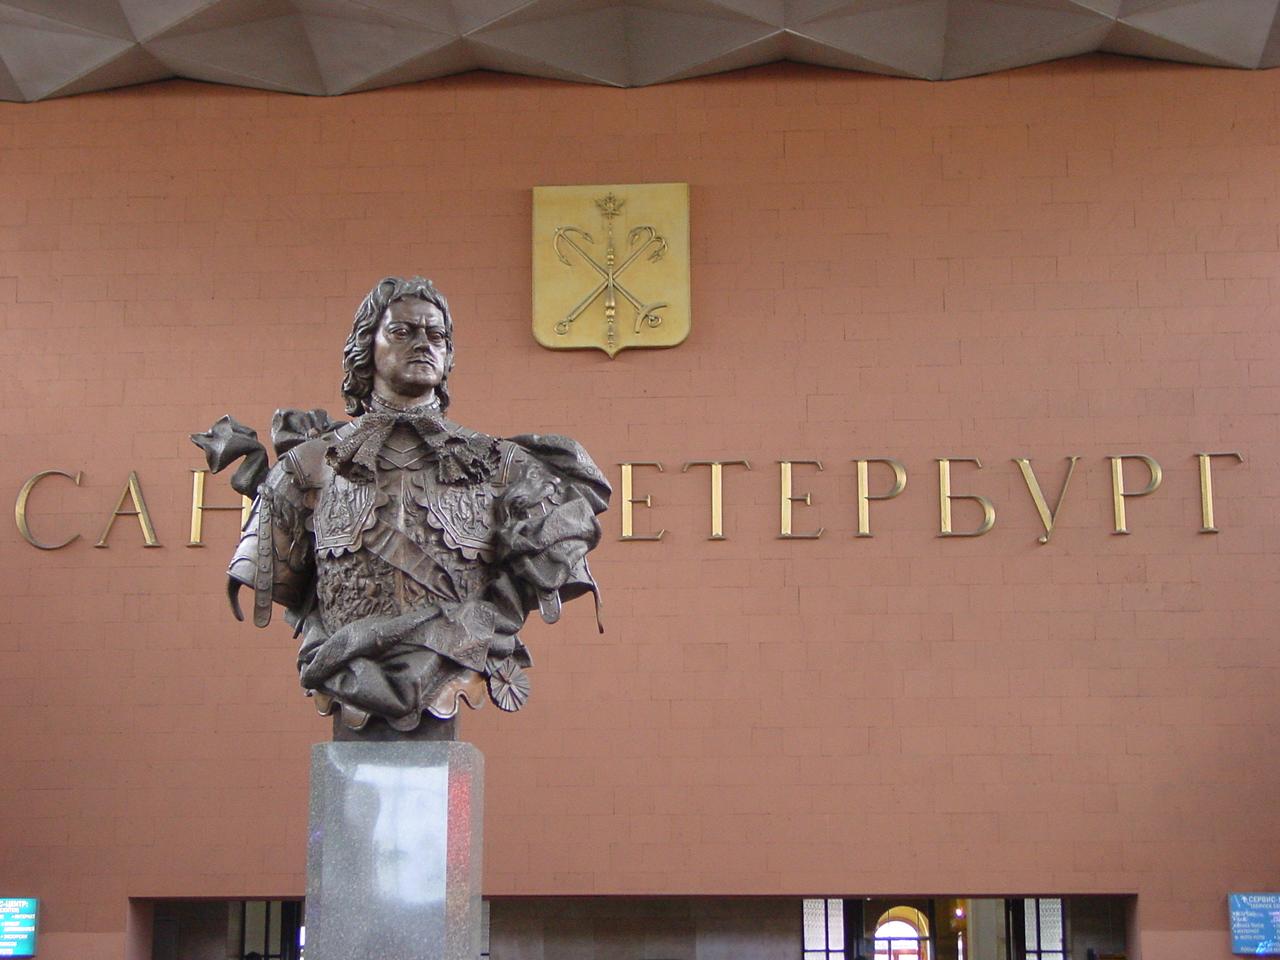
[{"x": 51, "y": 48}]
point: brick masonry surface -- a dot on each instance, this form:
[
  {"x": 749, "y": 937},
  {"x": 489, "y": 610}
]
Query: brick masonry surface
[{"x": 1073, "y": 259}]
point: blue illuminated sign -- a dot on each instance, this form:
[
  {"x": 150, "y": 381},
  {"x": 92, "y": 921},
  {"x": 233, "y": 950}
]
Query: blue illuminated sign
[
  {"x": 1255, "y": 924},
  {"x": 18, "y": 927}
]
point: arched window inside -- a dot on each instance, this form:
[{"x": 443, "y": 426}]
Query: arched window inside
[{"x": 902, "y": 933}]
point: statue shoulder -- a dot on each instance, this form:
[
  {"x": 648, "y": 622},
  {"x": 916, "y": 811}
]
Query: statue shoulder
[
  {"x": 568, "y": 458},
  {"x": 458, "y": 430},
  {"x": 306, "y": 464},
  {"x": 301, "y": 439}
]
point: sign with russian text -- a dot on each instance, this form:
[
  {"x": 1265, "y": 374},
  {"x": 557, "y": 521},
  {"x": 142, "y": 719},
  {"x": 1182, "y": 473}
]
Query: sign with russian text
[
  {"x": 1255, "y": 924},
  {"x": 18, "y": 927}
]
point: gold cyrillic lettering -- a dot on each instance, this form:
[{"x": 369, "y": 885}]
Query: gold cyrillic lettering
[
  {"x": 1206, "y": 488},
  {"x": 1118, "y": 492},
  {"x": 788, "y": 498},
  {"x": 945, "y": 496},
  {"x": 20, "y": 508},
  {"x": 717, "y": 491},
  {"x": 198, "y": 507},
  {"x": 628, "y": 529},
  {"x": 132, "y": 491},
  {"x": 1047, "y": 516},
  {"x": 865, "y": 498}
]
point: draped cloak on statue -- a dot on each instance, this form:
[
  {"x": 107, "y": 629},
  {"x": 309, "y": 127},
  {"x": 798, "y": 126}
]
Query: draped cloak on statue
[{"x": 408, "y": 550}]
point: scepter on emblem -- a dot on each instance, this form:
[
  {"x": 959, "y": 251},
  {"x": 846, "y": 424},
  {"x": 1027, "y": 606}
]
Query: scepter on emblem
[{"x": 643, "y": 239}]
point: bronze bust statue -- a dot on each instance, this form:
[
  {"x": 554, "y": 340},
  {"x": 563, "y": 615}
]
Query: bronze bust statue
[{"x": 408, "y": 550}]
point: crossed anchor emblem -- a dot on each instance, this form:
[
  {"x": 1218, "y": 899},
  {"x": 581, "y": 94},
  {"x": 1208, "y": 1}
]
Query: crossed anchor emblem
[{"x": 642, "y": 240}]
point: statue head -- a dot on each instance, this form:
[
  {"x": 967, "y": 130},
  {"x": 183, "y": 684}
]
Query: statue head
[{"x": 358, "y": 354}]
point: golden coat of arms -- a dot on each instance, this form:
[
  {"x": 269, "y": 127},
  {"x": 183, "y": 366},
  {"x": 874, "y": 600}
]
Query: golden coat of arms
[{"x": 611, "y": 266}]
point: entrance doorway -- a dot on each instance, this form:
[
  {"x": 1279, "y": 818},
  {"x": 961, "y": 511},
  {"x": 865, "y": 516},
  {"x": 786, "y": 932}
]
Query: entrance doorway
[
  {"x": 226, "y": 930},
  {"x": 902, "y": 933},
  {"x": 964, "y": 928}
]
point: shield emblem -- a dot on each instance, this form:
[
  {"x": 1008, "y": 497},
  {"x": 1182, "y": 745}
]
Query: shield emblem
[{"x": 611, "y": 266}]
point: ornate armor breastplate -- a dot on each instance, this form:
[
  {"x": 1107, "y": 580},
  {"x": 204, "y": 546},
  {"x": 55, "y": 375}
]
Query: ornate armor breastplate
[
  {"x": 466, "y": 514},
  {"x": 408, "y": 538},
  {"x": 343, "y": 512}
]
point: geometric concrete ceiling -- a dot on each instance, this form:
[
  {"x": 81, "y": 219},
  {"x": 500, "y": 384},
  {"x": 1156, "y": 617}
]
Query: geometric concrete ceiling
[{"x": 51, "y": 48}]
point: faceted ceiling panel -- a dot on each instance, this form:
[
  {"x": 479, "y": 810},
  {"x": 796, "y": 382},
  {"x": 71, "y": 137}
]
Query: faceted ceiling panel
[{"x": 52, "y": 48}]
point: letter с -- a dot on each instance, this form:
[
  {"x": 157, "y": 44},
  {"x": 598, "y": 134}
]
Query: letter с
[{"x": 20, "y": 508}]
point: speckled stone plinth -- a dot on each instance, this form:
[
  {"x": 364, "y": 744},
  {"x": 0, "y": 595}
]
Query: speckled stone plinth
[{"x": 394, "y": 857}]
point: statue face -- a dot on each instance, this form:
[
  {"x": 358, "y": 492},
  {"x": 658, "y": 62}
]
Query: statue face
[{"x": 409, "y": 350}]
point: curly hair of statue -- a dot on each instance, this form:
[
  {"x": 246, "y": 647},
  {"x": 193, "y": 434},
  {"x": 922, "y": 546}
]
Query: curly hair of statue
[{"x": 357, "y": 354}]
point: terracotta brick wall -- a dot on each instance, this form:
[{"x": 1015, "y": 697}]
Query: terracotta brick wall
[{"x": 1074, "y": 259}]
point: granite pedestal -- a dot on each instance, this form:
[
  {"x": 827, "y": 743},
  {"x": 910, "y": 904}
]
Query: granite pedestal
[{"x": 394, "y": 855}]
